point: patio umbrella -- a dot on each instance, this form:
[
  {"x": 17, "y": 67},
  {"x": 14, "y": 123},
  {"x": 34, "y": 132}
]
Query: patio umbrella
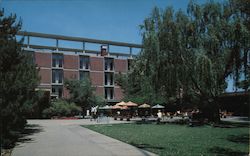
[
  {"x": 131, "y": 104},
  {"x": 144, "y": 106},
  {"x": 158, "y": 106},
  {"x": 119, "y": 107},
  {"x": 106, "y": 107},
  {"x": 124, "y": 107},
  {"x": 121, "y": 103}
]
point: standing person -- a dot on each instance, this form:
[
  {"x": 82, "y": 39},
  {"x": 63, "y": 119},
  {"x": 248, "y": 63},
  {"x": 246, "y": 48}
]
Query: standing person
[{"x": 159, "y": 116}]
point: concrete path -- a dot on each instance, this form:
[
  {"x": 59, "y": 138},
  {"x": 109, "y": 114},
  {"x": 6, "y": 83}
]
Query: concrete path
[
  {"x": 237, "y": 119},
  {"x": 68, "y": 138}
]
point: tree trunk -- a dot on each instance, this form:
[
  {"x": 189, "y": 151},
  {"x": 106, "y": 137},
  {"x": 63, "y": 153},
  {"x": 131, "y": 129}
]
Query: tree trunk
[{"x": 210, "y": 110}]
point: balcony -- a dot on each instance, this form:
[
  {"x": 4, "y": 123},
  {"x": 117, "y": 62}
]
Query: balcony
[
  {"x": 109, "y": 80},
  {"x": 109, "y": 93},
  {"x": 57, "y": 77},
  {"x": 84, "y": 63},
  {"x": 57, "y": 61},
  {"x": 109, "y": 65}
]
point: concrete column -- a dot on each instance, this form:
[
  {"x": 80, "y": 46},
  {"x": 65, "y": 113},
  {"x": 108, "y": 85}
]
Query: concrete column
[
  {"x": 57, "y": 44},
  {"x": 130, "y": 52},
  {"x": 28, "y": 41},
  {"x": 83, "y": 47},
  {"x": 108, "y": 49}
]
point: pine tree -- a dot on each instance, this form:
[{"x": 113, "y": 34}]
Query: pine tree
[{"x": 18, "y": 80}]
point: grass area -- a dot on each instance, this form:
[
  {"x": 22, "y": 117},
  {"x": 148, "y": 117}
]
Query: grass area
[{"x": 171, "y": 139}]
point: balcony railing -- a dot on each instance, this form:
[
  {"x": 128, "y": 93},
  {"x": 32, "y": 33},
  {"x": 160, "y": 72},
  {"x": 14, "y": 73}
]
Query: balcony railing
[{"x": 58, "y": 38}]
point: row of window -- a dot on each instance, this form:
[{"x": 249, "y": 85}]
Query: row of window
[
  {"x": 57, "y": 77},
  {"x": 58, "y": 91},
  {"x": 57, "y": 62}
]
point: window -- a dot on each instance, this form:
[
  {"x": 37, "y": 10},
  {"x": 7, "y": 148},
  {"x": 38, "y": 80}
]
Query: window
[
  {"x": 84, "y": 75},
  {"x": 109, "y": 93},
  {"x": 57, "y": 90},
  {"x": 109, "y": 64},
  {"x": 57, "y": 60},
  {"x": 109, "y": 79},
  {"x": 57, "y": 76},
  {"x": 84, "y": 62}
]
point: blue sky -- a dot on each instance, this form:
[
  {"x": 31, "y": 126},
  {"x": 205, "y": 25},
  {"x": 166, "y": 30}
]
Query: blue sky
[{"x": 116, "y": 20}]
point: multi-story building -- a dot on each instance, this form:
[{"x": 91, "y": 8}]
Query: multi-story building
[{"x": 57, "y": 64}]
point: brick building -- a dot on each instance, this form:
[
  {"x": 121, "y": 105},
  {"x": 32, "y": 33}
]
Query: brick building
[{"x": 57, "y": 64}]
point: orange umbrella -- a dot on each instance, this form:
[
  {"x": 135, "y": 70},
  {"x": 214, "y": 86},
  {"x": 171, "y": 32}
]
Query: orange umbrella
[
  {"x": 124, "y": 107},
  {"x": 119, "y": 107},
  {"x": 116, "y": 107},
  {"x": 131, "y": 104}
]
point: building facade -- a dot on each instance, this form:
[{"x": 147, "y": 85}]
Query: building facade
[{"x": 101, "y": 67}]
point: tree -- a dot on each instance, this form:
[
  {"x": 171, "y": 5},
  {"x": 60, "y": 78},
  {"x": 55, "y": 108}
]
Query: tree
[
  {"x": 18, "y": 80},
  {"x": 188, "y": 57},
  {"x": 82, "y": 93},
  {"x": 34, "y": 107}
]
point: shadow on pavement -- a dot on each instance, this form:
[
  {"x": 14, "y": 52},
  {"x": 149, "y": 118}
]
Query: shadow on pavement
[
  {"x": 225, "y": 151},
  {"x": 28, "y": 131}
]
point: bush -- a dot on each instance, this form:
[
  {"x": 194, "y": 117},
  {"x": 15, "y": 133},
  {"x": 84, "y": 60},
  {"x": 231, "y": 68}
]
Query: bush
[{"x": 61, "y": 108}]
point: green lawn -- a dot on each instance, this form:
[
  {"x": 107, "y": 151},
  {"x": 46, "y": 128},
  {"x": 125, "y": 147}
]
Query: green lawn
[{"x": 170, "y": 139}]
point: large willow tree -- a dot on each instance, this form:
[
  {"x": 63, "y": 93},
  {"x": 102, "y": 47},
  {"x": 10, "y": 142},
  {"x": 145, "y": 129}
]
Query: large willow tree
[{"x": 189, "y": 56}]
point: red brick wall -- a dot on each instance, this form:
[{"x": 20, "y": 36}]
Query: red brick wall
[
  {"x": 118, "y": 94},
  {"x": 97, "y": 78},
  {"x": 43, "y": 59},
  {"x": 45, "y": 75},
  {"x": 96, "y": 63},
  {"x": 71, "y": 75},
  {"x": 100, "y": 91},
  {"x": 121, "y": 65},
  {"x": 71, "y": 62}
]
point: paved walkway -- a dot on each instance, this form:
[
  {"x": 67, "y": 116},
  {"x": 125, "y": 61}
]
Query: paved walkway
[
  {"x": 68, "y": 138},
  {"x": 237, "y": 119}
]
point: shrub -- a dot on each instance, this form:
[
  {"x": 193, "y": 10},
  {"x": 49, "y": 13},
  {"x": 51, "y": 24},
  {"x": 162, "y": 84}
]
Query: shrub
[{"x": 61, "y": 108}]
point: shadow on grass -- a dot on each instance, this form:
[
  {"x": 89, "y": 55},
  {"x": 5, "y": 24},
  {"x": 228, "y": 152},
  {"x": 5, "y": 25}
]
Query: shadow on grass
[
  {"x": 226, "y": 151},
  {"x": 148, "y": 146},
  {"x": 28, "y": 131},
  {"x": 228, "y": 124},
  {"x": 243, "y": 139}
]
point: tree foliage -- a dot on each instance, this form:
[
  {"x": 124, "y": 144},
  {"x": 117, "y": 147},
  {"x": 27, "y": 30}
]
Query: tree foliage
[
  {"x": 33, "y": 108},
  {"x": 82, "y": 93},
  {"x": 189, "y": 56},
  {"x": 18, "y": 79}
]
